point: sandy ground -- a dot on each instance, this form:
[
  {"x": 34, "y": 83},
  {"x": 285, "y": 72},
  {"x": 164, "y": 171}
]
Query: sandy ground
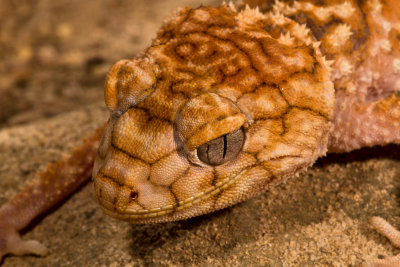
[{"x": 53, "y": 58}]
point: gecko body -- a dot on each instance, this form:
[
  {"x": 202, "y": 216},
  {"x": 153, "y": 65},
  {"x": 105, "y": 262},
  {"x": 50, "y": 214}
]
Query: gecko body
[{"x": 226, "y": 103}]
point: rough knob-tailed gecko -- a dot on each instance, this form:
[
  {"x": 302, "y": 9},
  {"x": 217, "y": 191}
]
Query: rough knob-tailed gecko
[{"x": 226, "y": 103}]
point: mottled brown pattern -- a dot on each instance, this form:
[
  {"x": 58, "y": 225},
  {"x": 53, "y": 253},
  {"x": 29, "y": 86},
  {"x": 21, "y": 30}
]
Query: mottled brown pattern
[
  {"x": 221, "y": 73},
  {"x": 298, "y": 79},
  {"x": 360, "y": 40}
]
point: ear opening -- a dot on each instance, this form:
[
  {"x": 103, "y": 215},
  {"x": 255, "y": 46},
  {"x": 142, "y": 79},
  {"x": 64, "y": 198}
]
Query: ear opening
[{"x": 129, "y": 82}]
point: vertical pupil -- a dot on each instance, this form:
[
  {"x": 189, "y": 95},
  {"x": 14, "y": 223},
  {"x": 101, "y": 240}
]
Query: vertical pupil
[
  {"x": 221, "y": 149},
  {"x": 225, "y": 146}
]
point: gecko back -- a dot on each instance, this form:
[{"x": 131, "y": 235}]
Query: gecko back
[{"x": 361, "y": 42}]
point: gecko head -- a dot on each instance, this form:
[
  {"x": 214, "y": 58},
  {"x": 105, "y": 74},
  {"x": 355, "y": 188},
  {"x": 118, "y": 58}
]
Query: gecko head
[{"x": 214, "y": 112}]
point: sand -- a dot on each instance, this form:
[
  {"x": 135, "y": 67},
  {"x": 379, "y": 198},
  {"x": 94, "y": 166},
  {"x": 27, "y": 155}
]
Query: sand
[{"x": 54, "y": 58}]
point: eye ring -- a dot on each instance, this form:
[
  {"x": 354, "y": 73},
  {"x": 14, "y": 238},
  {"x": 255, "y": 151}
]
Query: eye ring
[{"x": 221, "y": 149}]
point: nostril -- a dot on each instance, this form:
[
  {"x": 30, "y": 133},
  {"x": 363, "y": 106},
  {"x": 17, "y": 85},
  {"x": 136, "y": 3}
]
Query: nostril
[{"x": 133, "y": 195}]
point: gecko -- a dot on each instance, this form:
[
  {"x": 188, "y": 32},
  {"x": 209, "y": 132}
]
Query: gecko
[{"x": 226, "y": 103}]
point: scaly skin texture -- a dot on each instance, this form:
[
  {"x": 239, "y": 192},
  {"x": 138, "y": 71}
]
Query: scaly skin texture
[
  {"x": 210, "y": 72},
  {"x": 227, "y": 103},
  {"x": 361, "y": 41}
]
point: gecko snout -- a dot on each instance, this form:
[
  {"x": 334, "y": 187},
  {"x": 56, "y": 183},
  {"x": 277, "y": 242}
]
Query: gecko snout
[{"x": 124, "y": 189}]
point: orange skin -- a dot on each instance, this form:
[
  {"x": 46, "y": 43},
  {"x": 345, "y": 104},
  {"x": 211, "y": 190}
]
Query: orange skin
[{"x": 263, "y": 93}]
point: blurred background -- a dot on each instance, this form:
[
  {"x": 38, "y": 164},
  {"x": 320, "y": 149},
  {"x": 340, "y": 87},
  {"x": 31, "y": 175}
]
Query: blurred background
[{"x": 54, "y": 55}]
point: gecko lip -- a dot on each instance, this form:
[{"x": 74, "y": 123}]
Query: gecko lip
[{"x": 130, "y": 214}]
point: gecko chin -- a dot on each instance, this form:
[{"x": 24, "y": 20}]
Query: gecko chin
[{"x": 211, "y": 199}]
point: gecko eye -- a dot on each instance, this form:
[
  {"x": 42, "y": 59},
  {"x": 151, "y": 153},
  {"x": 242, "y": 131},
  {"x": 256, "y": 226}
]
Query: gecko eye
[{"x": 221, "y": 149}]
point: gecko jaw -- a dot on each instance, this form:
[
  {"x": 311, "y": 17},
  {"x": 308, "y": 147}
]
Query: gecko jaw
[{"x": 137, "y": 216}]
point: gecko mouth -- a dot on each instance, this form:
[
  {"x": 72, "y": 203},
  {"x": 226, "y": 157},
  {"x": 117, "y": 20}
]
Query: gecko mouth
[{"x": 133, "y": 215}]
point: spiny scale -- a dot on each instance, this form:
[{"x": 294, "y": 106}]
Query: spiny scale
[{"x": 297, "y": 78}]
